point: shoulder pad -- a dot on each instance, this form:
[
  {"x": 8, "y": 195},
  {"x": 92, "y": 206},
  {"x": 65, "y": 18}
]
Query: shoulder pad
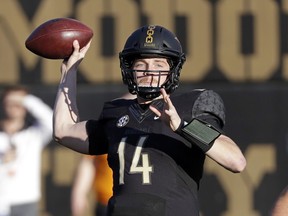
[{"x": 209, "y": 102}]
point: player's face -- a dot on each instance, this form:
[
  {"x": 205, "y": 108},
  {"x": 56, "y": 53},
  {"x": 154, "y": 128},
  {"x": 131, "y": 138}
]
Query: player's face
[{"x": 151, "y": 72}]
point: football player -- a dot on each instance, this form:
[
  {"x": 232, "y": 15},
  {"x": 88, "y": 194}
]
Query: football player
[{"x": 156, "y": 143}]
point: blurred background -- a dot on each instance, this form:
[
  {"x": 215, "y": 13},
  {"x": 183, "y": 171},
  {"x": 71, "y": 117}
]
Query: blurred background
[{"x": 238, "y": 48}]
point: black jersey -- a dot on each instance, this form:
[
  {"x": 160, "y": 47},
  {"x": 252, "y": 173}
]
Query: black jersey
[{"x": 155, "y": 170}]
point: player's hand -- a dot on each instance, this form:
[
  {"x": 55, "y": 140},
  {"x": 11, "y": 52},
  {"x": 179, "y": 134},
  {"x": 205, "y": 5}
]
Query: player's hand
[
  {"x": 75, "y": 59},
  {"x": 169, "y": 113}
]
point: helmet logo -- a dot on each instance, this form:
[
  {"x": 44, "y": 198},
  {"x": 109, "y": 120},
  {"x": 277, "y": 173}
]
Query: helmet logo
[{"x": 150, "y": 33}]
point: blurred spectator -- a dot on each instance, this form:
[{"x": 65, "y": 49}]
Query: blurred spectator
[
  {"x": 24, "y": 131},
  {"x": 280, "y": 207},
  {"x": 93, "y": 173}
]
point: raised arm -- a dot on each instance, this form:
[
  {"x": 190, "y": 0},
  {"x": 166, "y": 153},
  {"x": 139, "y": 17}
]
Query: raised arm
[{"x": 67, "y": 130}]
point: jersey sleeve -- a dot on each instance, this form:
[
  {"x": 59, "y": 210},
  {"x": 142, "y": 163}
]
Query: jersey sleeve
[
  {"x": 210, "y": 108},
  {"x": 96, "y": 136}
]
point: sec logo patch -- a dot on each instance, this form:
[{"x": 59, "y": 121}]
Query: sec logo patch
[{"x": 123, "y": 121}]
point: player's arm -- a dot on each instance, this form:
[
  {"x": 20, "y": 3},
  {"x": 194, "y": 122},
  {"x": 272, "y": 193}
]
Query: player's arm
[
  {"x": 213, "y": 143},
  {"x": 210, "y": 111},
  {"x": 225, "y": 152},
  {"x": 67, "y": 130}
]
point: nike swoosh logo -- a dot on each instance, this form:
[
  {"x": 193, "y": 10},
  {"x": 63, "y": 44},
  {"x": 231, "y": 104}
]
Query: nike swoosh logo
[{"x": 156, "y": 117}]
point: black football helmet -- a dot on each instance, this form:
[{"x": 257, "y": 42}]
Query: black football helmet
[{"x": 151, "y": 41}]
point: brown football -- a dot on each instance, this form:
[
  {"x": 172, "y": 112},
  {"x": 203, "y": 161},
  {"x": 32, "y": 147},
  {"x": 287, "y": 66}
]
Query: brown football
[{"x": 53, "y": 39}]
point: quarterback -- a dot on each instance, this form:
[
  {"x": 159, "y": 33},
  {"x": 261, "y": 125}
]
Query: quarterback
[{"x": 156, "y": 143}]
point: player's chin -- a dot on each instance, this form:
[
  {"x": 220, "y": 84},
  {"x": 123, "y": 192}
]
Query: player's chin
[
  {"x": 145, "y": 86},
  {"x": 148, "y": 85}
]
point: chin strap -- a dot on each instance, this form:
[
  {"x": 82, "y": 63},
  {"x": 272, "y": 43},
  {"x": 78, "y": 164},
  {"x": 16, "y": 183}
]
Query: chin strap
[
  {"x": 199, "y": 133},
  {"x": 148, "y": 93}
]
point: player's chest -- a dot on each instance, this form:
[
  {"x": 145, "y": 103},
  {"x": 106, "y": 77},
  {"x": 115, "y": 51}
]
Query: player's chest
[
  {"x": 135, "y": 119},
  {"x": 132, "y": 133}
]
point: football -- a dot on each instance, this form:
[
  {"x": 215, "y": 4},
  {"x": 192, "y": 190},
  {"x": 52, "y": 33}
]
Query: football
[{"x": 53, "y": 39}]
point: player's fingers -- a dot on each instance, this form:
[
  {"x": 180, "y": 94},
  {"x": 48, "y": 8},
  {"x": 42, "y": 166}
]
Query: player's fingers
[
  {"x": 163, "y": 92},
  {"x": 76, "y": 45},
  {"x": 155, "y": 110},
  {"x": 167, "y": 99},
  {"x": 75, "y": 54},
  {"x": 86, "y": 47},
  {"x": 169, "y": 102},
  {"x": 74, "y": 60},
  {"x": 165, "y": 95}
]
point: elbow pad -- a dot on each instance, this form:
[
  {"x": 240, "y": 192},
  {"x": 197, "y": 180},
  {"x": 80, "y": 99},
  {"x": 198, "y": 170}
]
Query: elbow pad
[{"x": 199, "y": 133}]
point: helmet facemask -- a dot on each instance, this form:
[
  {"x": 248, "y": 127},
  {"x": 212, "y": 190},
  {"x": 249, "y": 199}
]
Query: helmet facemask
[
  {"x": 153, "y": 90},
  {"x": 151, "y": 42}
]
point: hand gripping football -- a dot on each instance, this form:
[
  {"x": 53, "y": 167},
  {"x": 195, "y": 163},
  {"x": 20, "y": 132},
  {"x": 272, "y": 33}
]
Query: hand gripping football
[{"x": 54, "y": 38}]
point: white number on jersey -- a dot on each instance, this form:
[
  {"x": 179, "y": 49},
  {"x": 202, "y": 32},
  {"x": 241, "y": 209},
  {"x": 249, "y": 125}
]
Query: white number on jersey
[{"x": 135, "y": 168}]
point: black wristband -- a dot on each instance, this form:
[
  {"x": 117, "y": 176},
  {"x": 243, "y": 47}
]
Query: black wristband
[
  {"x": 199, "y": 133},
  {"x": 181, "y": 125}
]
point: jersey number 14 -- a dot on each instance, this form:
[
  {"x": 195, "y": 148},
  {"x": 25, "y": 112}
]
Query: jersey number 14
[{"x": 145, "y": 169}]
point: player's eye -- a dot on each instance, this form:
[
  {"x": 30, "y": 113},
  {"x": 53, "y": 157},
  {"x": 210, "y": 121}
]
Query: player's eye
[
  {"x": 160, "y": 65},
  {"x": 139, "y": 65}
]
